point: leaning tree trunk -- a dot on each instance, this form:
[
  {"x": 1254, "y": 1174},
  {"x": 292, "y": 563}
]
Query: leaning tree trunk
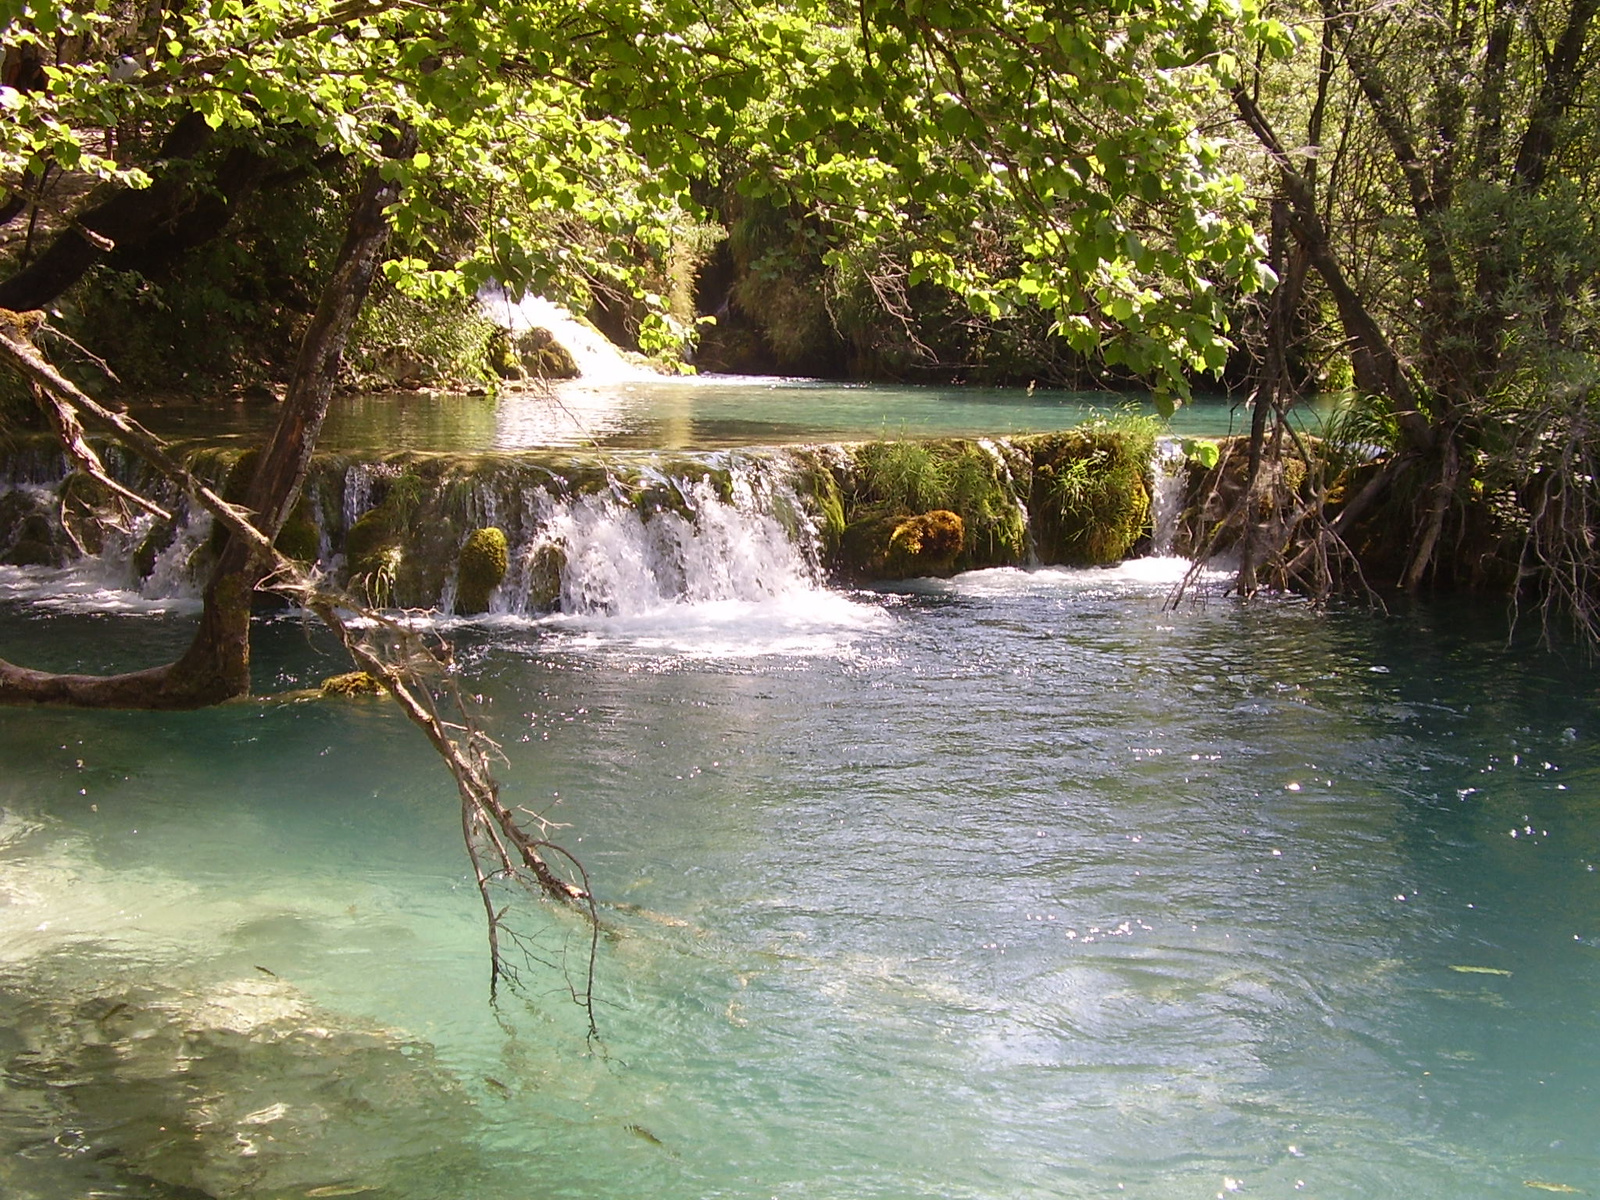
[
  {"x": 218, "y": 660},
  {"x": 216, "y": 666}
]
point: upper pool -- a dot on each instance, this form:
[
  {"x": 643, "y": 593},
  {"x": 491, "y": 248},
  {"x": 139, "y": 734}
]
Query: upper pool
[{"x": 702, "y": 412}]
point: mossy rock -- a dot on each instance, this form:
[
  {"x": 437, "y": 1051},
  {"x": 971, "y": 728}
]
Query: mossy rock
[
  {"x": 819, "y": 491},
  {"x": 299, "y": 538},
  {"x": 368, "y": 541},
  {"x": 1089, "y": 494},
  {"x": 882, "y": 543},
  {"x": 544, "y": 578},
  {"x": 352, "y": 683},
  {"x": 162, "y": 534},
  {"x": 980, "y": 483},
  {"x": 542, "y": 357},
  {"x": 33, "y": 537},
  {"x": 498, "y": 354},
  {"x": 864, "y": 543},
  {"x": 29, "y": 552},
  {"x": 481, "y": 566},
  {"x": 927, "y": 544}
]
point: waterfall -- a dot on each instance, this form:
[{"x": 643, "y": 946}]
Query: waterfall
[
  {"x": 681, "y": 540},
  {"x": 1169, "y": 471},
  {"x": 601, "y": 538},
  {"x": 598, "y": 360}
]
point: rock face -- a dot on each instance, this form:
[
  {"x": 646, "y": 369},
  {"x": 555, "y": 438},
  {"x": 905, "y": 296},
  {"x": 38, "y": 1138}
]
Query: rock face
[
  {"x": 531, "y": 354},
  {"x": 928, "y": 544}
]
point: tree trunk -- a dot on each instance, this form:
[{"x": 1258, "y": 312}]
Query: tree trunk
[{"x": 216, "y": 666}]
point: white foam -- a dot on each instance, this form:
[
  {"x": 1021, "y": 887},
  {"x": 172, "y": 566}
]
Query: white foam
[
  {"x": 91, "y": 585},
  {"x": 801, "y": 624}
]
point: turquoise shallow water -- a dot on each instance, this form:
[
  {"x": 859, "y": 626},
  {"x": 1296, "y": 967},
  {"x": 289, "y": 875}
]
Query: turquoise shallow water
[{"x": 1017, "y": 885}]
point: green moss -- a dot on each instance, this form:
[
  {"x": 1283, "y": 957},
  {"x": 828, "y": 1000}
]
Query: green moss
[
  {"x": 911, "y": 476},
  {"x": 370, "y": 539},
  {"x": 352, "y": 683},
  {"x": 981, "y": 488},
  {"x": 482, "y": 565},
  {"x": 1089, "y": 496},
  {"x": 539, "y": 356},
  {"x": 864, "y": 543},
  {"x": 404, "y": 341},
  {"x": 976, "y": 482},
  {"x": 928, "y": 544},
  {"x": 299, "y": 538},
  {"x": 828, "y": 503}
]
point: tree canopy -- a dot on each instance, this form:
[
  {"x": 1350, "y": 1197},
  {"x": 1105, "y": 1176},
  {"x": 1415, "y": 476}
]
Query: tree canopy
[{"x": 553, "y": 140}]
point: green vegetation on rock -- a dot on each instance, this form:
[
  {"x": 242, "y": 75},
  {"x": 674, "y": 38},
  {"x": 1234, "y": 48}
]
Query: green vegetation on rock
[
  {"x": 482, "y": 565},
  {"x": 928, "y": 544},
  {"x": 351, "y": 683},
  {"x": 1090, "y": 497}
]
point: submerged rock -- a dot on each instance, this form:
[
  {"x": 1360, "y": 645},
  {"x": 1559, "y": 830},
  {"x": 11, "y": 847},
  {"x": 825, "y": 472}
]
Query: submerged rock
[
  {"x": 351, "y": 683},
  {"x": 240, "y": 1088}
]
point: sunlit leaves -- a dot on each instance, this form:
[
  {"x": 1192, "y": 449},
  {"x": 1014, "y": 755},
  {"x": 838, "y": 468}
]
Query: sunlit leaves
[{"x": 1017, "y": 153}]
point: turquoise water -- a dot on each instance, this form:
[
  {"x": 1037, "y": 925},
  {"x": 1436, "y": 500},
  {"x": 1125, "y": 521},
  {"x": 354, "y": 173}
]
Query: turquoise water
[
  {"x": 1017, "y": 885},
  {"x": 700, "y": 413}
]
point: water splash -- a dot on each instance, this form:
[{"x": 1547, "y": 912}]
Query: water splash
[
  {"x": 695, "y": 542},
  {"x": 1169, "y": 472}
]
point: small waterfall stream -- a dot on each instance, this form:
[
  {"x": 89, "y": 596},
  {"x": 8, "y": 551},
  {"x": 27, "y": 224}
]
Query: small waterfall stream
[
  {"x": 1169, "y": 473},
  {"x": 598, "y": 360}
]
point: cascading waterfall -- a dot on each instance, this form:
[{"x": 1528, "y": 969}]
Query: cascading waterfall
[
  {"x": 625, "y": 536},
  {"x": 1169, "y": 472},
  {"x": 616, "y": 561}
]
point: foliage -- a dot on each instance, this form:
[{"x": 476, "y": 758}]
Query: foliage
[
  {"x": 230, "y": 312},
  {"x": 556, "y": 144},
  {"x": 401, "y": 339},
  {"x": 1073, "y": 180},
  {"x": 908, "y": 476},
  {"x": 1435, "y": 168}
]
